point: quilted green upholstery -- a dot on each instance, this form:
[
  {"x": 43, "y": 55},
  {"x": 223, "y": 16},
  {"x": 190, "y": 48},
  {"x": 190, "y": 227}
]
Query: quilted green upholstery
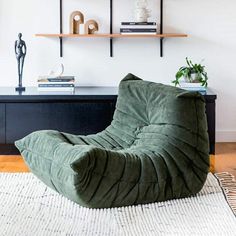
[{"x": 155, "y": 149}]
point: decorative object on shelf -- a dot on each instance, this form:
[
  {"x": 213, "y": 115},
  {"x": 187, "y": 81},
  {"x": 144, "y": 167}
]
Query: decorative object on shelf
[
  {"x": 20, "y": 51},
  {"x": 90, "y": 27},
  {"x": 55, "y": 81},
  {"x": 194, "y": 77},
  {"x": 57, "y": 70},
  {"x": 76, "y": 19},
  {"x": 141, "y": 11}
]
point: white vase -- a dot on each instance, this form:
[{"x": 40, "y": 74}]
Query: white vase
[
  {"x": 141, "y": 12},
  {"x": 141, "y": 15}
]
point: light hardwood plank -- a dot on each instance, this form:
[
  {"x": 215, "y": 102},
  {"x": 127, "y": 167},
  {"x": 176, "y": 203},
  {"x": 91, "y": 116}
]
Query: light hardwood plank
[
  {"x": 12, "y": 164},
  {"x": 224, "y": 160}
]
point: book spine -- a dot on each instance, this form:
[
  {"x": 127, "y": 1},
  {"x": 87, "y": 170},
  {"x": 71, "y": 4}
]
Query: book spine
[
  {"x": 56, "y": 85},
  {"x": 56, "y": 80},
  {"x": 57, "y": 77},
  {"x": 130, "y": 30},
  {"x": 138, "y": 27},
  {"x": 138, "y": 23},
  {"x": 191, "y": 85},
  {"x": 56, "y": 89},
  {"x": 135, "y": 33},
  {"x": 46, "y": 82},
  {"x": 194, "y": 89}
]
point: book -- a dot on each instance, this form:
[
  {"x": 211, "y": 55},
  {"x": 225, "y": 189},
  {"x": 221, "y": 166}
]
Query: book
[
  {"x": 53, "y": 80},
  {"x": 56, "y": 85},
  {"x": 57, "y": 82},
  {"x": 194, "y": 89},
  {"x": 190, "y": 85},
  {"x": 56, "y": 79},
  {"x": 139, "y": 26},
  {"x": 135, "y": 33},
  {"x": 43, "y": 89},
  {"x": 142, "y": 30},
  {"x": 138, "y": 23}
]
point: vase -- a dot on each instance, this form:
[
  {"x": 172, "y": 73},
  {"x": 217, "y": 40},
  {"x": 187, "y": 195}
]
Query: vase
[
  {"x": 141, "y": 15},
  {"x": 141, "y": 12}
]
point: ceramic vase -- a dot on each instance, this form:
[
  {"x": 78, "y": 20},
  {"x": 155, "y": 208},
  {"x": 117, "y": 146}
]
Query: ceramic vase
[{"x": 141, "y": 11}]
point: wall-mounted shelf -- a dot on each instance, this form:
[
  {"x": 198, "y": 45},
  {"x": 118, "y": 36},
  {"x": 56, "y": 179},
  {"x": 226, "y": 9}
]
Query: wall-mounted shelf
[{"x": 111, "y": 35}]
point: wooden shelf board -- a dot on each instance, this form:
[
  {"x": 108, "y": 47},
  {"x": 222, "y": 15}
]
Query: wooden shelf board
[{"x": 169, "y": 35}]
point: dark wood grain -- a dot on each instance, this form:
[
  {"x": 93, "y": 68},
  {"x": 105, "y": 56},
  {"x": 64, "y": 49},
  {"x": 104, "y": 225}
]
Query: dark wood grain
[{"x": 2, "y": 123}]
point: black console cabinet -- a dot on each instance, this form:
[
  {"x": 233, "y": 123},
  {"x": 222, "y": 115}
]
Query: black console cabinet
[
  {"x": 83, "y": 117},
  {"x": 89, "y": 110}
]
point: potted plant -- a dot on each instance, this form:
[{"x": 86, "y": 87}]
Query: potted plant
[{"x": 192, "y": 74}]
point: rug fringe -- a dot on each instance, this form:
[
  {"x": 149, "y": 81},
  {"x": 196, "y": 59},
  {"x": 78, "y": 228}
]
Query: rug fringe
[{"x": 228, "y": 184}]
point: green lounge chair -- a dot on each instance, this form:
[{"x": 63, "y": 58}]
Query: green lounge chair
[{"x": 155, "y": 149}]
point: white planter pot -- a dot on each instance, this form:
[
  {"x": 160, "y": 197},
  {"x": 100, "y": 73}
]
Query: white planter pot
[
  {"x": 190, "y": 85},
  {"x": 193, "y": 78},
  {"x": 141, "y": 15}
]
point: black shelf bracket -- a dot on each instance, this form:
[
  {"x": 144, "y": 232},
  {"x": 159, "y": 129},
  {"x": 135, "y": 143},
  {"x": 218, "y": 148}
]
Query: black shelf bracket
[
  {"x": 161, "y": 27},
  {"x": 111, "y": 27},
  {"x": 61, "y": 30}
]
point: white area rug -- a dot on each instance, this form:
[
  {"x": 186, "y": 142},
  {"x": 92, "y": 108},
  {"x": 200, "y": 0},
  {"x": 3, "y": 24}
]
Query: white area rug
[{"x": 29, "y": 208}]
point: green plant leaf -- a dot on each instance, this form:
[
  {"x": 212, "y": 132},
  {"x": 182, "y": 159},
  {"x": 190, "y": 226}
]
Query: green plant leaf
[
  {"x": 179, "y": 74},
  {"x": 187, "y": 71}
]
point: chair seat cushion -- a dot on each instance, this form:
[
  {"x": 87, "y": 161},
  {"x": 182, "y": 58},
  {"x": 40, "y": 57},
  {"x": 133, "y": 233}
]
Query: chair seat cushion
[{"x": 155, "y": 149}]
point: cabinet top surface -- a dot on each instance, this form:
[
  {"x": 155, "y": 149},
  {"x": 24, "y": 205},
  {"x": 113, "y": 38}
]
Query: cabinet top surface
[
  {"x": 32, "y": 91},
  {"x": 80, "y": 93},
  {"x": 90, "y": 93}
]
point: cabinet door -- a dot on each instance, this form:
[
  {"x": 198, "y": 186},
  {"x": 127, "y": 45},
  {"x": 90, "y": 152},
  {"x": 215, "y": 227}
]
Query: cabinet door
[
  {"x": 75, "y": 118},
  {"x": 2, "y": 123}
]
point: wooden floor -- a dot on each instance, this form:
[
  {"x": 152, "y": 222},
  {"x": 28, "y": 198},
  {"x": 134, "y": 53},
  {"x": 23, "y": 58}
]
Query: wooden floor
[
  {"x": 12, "y": 164},
  {"x": 224, "y": 160}
]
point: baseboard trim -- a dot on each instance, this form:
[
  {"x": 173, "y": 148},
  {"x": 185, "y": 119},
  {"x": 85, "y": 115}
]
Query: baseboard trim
[{"x": 226, "y": 136}]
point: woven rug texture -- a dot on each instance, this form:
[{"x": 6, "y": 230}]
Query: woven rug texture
[{"x": 29, "y": 208}]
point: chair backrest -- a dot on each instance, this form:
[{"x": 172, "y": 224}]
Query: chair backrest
[{"x": 149, "y": 113}]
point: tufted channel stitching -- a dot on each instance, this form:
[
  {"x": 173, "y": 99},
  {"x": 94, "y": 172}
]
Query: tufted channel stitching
[{"x": 155, "y": 149}]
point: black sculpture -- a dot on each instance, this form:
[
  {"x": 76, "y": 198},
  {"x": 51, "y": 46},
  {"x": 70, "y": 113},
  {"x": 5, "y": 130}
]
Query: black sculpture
[{"x": 20, "y": 51}]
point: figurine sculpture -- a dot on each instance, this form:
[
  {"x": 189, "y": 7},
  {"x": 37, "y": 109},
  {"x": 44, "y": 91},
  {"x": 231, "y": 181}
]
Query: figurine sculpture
[
  {"x": 20, "y": 51},
  {"x": 76, "y": 19},
  {"x": 90, "y": 27}
]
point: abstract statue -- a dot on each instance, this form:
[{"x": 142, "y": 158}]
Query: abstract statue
[
  {"x": 20, "y": 51},
  {"x": 90, "y": 27},
  {"x": 76, "y": 18}
]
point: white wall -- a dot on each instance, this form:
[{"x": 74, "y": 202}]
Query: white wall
[{"x": 211, "y": 25}]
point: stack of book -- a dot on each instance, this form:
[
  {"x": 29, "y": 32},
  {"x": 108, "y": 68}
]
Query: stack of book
[
  {"x": 57, "y": 84},
  {"x": 147, "y": 28},
  {"x": 192, "y": 87}
]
